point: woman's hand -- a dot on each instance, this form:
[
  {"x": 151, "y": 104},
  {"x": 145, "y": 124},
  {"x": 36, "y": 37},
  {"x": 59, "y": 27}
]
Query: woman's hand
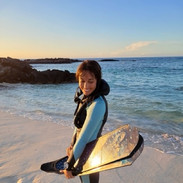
[
  {"x": 68, "y": 150},
  {"x": 68, "y": 174}
]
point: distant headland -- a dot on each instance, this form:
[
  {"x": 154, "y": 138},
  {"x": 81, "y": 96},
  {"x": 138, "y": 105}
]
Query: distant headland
[
  {"x": 51, "y": 61},
  {"x": 108, "y": 60}
]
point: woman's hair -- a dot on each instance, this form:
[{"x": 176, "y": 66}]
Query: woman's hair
[{"x": 91, "y": 66}]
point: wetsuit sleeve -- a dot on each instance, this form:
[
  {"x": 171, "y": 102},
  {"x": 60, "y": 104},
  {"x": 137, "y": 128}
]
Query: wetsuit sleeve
[{"x": 90, "y": 129}]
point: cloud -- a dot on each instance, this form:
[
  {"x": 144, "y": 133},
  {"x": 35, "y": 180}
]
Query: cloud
[
  {"x": 138, "y": 45},
  {"x": 133, "y": 49}
]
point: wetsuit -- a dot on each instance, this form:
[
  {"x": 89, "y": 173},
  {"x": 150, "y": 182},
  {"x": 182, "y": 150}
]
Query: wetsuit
[{"x": 93, "y": 115}]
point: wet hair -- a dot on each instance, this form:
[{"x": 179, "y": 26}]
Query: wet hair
[{"x": 91, "y": 66}]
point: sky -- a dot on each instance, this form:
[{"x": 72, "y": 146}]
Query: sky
[{"x": 90, "y": 28}]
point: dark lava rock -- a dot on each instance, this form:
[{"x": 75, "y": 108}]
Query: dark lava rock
[{"x": 17, "y": 71}]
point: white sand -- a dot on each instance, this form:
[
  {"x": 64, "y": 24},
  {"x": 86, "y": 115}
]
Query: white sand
[{"x": 26, "y": 144}]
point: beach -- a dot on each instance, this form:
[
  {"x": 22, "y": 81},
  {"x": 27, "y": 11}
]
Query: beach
[
  {"x": 140, "y": 95},
  {"x": 25, "y": 144}
]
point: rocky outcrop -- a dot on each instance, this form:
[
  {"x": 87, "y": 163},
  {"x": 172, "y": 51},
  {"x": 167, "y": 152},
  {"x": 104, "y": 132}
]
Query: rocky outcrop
[
  {"x": 16, "y": 71},
  {"x": 51, "y": 61},
  {"x": 108, "y": 60}
]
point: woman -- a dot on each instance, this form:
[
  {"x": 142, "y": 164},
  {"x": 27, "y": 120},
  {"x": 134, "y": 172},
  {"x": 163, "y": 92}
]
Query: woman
[{"x": 90, "y": 115}]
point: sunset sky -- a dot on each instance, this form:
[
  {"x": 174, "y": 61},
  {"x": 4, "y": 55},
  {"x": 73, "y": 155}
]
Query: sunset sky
[{"x": 90, "y": 28}]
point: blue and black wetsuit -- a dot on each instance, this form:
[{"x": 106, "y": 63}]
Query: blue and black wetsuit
[{"x": 90, "y": 117}]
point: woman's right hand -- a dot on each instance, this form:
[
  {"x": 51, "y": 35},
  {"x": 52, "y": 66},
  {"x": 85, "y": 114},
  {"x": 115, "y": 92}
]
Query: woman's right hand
[{"x": 68, "y": 174}]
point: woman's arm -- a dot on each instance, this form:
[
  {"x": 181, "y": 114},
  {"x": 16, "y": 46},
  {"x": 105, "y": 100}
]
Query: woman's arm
[{"x": 90, "y": 129}]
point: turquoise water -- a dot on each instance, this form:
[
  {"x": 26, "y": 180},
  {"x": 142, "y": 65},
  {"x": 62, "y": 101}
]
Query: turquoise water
[{"x": 145, "y": 92}]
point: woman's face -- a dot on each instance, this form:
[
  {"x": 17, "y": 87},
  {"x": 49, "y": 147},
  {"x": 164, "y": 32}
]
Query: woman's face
[{"x": 87, "y": 82}]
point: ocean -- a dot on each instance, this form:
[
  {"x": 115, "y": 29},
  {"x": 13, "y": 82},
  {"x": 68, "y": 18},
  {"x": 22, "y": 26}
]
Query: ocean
[{"x": 144, "y": 92}]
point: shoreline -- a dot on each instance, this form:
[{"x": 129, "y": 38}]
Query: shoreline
[{"x": 25, "y": 144}]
